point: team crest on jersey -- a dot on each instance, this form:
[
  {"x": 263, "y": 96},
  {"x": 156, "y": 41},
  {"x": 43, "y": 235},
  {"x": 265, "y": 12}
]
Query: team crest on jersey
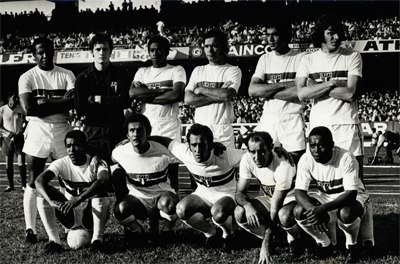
[
  {"x": 210, "y": 84},
  {"x": 268, "y": 190},
  {"x": 114, "y": 86},
  {"x": 324, "y": 186},
  {"x": 206, "y": 180},
  {"x": 325, "y": 76},
  {"x": 155, "y": 85},
  {"x": 274, "y": 78}
]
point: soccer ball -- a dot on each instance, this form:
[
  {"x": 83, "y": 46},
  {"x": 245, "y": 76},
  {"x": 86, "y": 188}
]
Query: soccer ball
[{"x": 78, "y": 237}]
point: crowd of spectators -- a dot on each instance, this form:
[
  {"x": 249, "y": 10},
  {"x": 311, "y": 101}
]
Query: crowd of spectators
[{"x": 127, "y": 35}]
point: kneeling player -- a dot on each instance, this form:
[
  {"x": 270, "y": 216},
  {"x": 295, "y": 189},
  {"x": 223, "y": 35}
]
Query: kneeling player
[
  {"x": 140, "y": 181},
  {"x": 341, "y": 198},
  {"x": 215, "y": 176},
  {"x": 261, "y": 215},
  {"x": 83, "y": 180}
]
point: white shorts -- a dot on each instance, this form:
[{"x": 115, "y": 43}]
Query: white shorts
[
  {"x": 266, "y": 201},
  {"x": 287, "y": 130},
  {"x": 211, "y": 196},
  {"x": 150, "y": 199},
  {"x": 46, "y": 139},
  {"x": 223, "y": 133},
  {"x": 348, "y": 137},
  {"x": 167, "y": 127},
  {"x": 323, "y": 198}
]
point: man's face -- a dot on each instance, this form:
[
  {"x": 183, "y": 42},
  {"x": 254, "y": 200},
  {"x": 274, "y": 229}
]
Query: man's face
[
  {"x": 137, "y": 134},
  {"x": 260, "y": 153},
  {"x": 76, "y": 151},
  {"x": 101, "y": 53},
  {"x": 158, "y": 55},
  {"x": 44, "y": 56},
  {"x": 332, "y": 40},
  {"x": 320, "y": 149},
  {"x": 200, "y": 148},
  {"x": 275, "y": 41},
  {"x": 13, "y": 101},
  {"x": 213, "y": 50}
]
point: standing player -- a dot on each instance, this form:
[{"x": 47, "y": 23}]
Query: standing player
[
  {"x": 140, "y": 181},
  {"x": 215, "y": 176},
  {"x": 45, "y": 96},
  {"x": 211, "y": 88},
  {"x": 261, "y": 215},
  {"x": 101, "y": 96},
  {"x": 342, "y": 197},
  {"x": 161, "y": 87},
  {"x": 12, "y": 118},
  {"x": 334, "y": 74},
  {"x": 83, "y": 201},
  {"x": 273, "y": 80}
]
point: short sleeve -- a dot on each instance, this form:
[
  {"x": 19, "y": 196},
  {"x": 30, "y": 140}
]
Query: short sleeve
[
  {"x": 356, "y": 64},
  {"x": 304, "y": 66},
  {"x": 245, "y": 167},
  {"x": 260, "y": 68},
  {"x": 284, "y": 175},
  {"x": 303, "y": 178},
  {"x": 235, "y": 77},
  {"x": 349, "y": 166},
  {"x": 70, "y": 78},
  {"x": 179, "y": 74},
  {"x": 193, "y": 80},
  {"x": 24, "y": 84},
  {"x": 138, "y": 76}
]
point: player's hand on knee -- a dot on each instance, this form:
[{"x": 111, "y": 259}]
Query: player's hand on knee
[
  {"x": 252, "y": 216},
  {"x": 69, "y": 205}
]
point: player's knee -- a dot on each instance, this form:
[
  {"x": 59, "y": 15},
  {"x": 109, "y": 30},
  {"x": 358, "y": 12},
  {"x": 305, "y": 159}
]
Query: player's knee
[
  {"x": 166, "y": 204},
  {"x": 218, "y": 214},
  {"x": 240, "y": 214},
  {"x": 298, "y": 212},
  {"x": 286, "y": 217},
  {"x": 181, "y": 211},
  {"x": 347, "y": 214},
  {"x": 121, "y": 210}
]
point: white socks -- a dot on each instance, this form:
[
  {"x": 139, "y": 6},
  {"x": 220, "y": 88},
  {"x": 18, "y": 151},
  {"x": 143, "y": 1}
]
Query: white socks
[
  {"x": 257, "y": 231},
  {"x": 226, "y": 227},
  {"x": 350, "y": 231},
  {"x": 48, "y": 216},
  {"x": 198, "y": 222},
  {"x": 319, "y": 237},
  {"x": 100, "y": 212},
  {"x": 30, "y": 208}
]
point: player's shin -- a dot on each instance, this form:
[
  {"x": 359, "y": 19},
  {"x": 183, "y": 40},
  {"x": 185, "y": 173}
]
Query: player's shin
[
  {"x": 350, "y": 231},
  {"x": 30, "y": 208},
  {"x": 319, "y": 237},
  {"x": 257, "y": 231},
  {"x": 100, "y": 212},
  {"x": 226, "y": 227},
  {"x": 198, "y": 222},
  {"x": 48, "y": 216},
  {"x": 367, "y": 225}
]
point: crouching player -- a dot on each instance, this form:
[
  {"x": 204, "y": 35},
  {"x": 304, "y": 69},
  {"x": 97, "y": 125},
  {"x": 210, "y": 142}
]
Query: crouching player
[
  {"x": 216, "y": 184},
  {"x": 261, "y": 215},
  {"x": 82, "y": 200},
  {"x": 141, "y": 183},
  {"x": 341, "y": 198}
]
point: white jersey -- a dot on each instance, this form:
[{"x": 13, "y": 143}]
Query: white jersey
[
  {"x": 333, "y": 178},
  {"x": 217, "y": 173},
  {"x": 279, "y": 175},
  {"x": 214, "y": 76},
  {"x": 12, "y": 119},
  {"x": 75, "y": 179},
  {"x": 273, "y": 68},
  {"x": 146, "y": 172},
  {"x": 50, "y": 84},
  {"x": 157, "y": 78},
  {"x": 322, "y": 67}
]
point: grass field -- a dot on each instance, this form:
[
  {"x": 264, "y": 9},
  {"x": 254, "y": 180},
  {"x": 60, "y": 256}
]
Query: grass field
[{"x": 185, "y": 248}]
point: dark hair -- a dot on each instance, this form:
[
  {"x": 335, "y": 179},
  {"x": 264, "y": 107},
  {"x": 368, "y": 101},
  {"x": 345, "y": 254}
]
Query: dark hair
[
  {"x": 221, "y": 36},
  {"x": 197, "y": 130},
  {"x": 140, "y": 118},
  {"x": 100, "y": 38},
  {"x": 78, "y": 135},
  {"x": 322, "y": 131},
  {"x": 323, "y": 24},
  {"x": 42, "y": 40},
  {"x": 258, "y": 136},
  {"x": 283, "y": 26},
  {"x": 162, "y": 42}
]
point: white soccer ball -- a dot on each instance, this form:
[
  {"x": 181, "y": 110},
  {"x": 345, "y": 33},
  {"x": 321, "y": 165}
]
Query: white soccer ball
[{"x": 78, "y": 237}]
